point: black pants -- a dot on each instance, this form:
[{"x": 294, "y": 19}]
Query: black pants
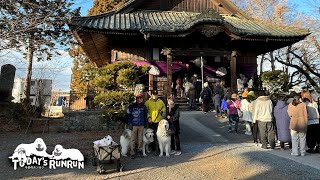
[
  {"x": 313, "y": 135},
  {"x": 255, "y": 133},
  {"x": 154, "y": 145},
  {"x": 267, "y": 134},
  {"x": 205, "y": 105},
  {"x": 218, "y": 109},
  {"x": 175, "y": 139},
  {"x": 192, "y": 103}
]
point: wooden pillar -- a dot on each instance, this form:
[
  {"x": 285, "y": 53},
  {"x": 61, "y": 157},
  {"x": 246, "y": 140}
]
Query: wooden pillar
[
  {"x": 233, "y": 70},
  {"x": 150, "y": 83},
  {"x": 167, "y": 52}
]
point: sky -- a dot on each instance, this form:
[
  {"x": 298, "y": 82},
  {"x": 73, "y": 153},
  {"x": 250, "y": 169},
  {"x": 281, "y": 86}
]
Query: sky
[{"x": 59, "y": 69}]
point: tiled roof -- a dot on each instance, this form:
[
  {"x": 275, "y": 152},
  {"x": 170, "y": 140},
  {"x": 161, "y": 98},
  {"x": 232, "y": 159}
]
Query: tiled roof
[{"x": 175, "y": 22}]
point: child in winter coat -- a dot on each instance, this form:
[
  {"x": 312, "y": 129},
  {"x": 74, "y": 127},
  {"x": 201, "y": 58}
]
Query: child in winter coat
[
  {"x": 233, "y": 107},
  {"x": 224, "y": 107}
]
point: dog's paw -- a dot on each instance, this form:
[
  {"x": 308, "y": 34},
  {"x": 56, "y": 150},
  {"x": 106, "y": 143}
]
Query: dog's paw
[
  {"x": 144, "y": 155},
  {"x": 124, "y": 155},
  {"x": 160, "y": 155},
  {"x": 168, "y": 155}
]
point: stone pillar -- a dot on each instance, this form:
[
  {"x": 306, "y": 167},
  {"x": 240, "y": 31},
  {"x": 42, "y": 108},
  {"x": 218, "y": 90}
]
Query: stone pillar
[
  {"x": 7, "y": 81},
  {"x": 233, "y": 70}
]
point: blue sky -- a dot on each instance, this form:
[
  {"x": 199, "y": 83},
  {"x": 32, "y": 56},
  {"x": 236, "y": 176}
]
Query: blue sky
[{"x": 59, "y": 69}]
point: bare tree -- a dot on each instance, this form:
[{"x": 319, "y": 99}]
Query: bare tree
[{"x": 36, "y": 27}]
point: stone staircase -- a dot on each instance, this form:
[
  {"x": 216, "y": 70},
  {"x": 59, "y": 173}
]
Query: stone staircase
[{"x": 184, "y": 105}]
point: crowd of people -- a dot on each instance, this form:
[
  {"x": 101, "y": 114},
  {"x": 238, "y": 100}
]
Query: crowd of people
[{"x": 291, "y": 121}]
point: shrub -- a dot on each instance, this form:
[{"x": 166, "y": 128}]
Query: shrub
[
  {"x": 127, "y": 77},
  {"x": 114, "y": 104}
]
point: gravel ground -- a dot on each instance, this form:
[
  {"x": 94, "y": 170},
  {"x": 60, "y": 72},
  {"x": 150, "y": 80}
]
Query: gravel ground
[{"x": 208, "y": 153}]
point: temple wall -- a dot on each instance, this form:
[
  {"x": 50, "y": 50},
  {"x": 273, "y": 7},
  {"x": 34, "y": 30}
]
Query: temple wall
[{"x": 137, "y": 54}]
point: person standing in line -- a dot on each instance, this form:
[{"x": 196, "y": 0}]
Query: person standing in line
[
  {"x": 218, "y": 93},
  {"x": 206, "y": 94},
  {"x": 173, "y": 116},
  {"x": 156, "y": 112},
  {"x": 247, "y": 115},
  {"x": 283, "y": 122},
  {"x": 224, "y": 107},
  {"x": 251, "y": 97},
  {"x": 262, "y": 114},
  {"x": 179, "y": 87},
  {"x": 313, "y": 130},
  {"x": 233, "y": 106},
  {"x": 191, "y": 94},
  {"x": 298, "y": 113},
  {"x": 137, "y": 120}
]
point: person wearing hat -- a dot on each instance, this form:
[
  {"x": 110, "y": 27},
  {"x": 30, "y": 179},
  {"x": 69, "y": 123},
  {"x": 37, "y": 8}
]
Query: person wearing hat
[
  {"x": 137, "y": 120},
  {"x": 247, "y": 115},
  {"x": 233, "y": 106},
  {"x": 156, "y": 112}
]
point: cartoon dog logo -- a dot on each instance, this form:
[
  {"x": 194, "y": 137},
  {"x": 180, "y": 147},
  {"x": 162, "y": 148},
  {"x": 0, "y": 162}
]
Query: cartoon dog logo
[
  {"x": 60, "y": 153},
  {"x": 22, "y": 151}
]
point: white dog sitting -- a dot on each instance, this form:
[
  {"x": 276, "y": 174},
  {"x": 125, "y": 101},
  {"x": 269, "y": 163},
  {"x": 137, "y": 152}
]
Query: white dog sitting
[
  {"x": 60, "y": 153},
  {"x": 148, "y": 137},
  {"x": 38, "y": 148},
  {"x": 164, "y": 138},
  {"x": 106, "y": 141}
]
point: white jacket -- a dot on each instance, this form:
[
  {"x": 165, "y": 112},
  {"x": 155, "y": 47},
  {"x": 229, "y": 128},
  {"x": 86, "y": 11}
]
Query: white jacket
[
  {"x": 262, "y": 109},
  {"x": 245, "y": 108}
]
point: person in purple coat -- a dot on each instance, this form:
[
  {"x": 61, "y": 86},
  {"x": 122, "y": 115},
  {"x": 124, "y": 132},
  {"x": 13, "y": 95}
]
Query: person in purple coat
[{"x": 283, "y": 122}]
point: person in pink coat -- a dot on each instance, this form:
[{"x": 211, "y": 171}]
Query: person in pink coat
[
  {"x": 297, "y": 111},
  {"x": 233, "y": 106}
]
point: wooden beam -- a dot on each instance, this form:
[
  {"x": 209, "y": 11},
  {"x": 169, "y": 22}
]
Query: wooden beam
[{"x": 199, "y": 52}]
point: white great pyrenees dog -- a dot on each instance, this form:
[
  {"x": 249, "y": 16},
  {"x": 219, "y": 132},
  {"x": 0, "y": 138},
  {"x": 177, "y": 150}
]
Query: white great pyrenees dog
[
  {"x": 164, "y": 138},
  {"x": 37, "y": 148},
  {"x": 106, "y": 141},
  {"x": 60, "y": 153},
  {"x": 148, "y": 137}
]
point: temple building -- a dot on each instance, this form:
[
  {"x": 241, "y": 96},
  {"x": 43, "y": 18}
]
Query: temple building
[{"x": 175, "y": 35}]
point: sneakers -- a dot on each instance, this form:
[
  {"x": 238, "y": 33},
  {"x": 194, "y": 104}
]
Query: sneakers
[
  {"x": 248, "y": 133},
  {"x": 177, "y": 153},
  {"x": 230, "y": 131},
  {"x": 173, "y": 152}
]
